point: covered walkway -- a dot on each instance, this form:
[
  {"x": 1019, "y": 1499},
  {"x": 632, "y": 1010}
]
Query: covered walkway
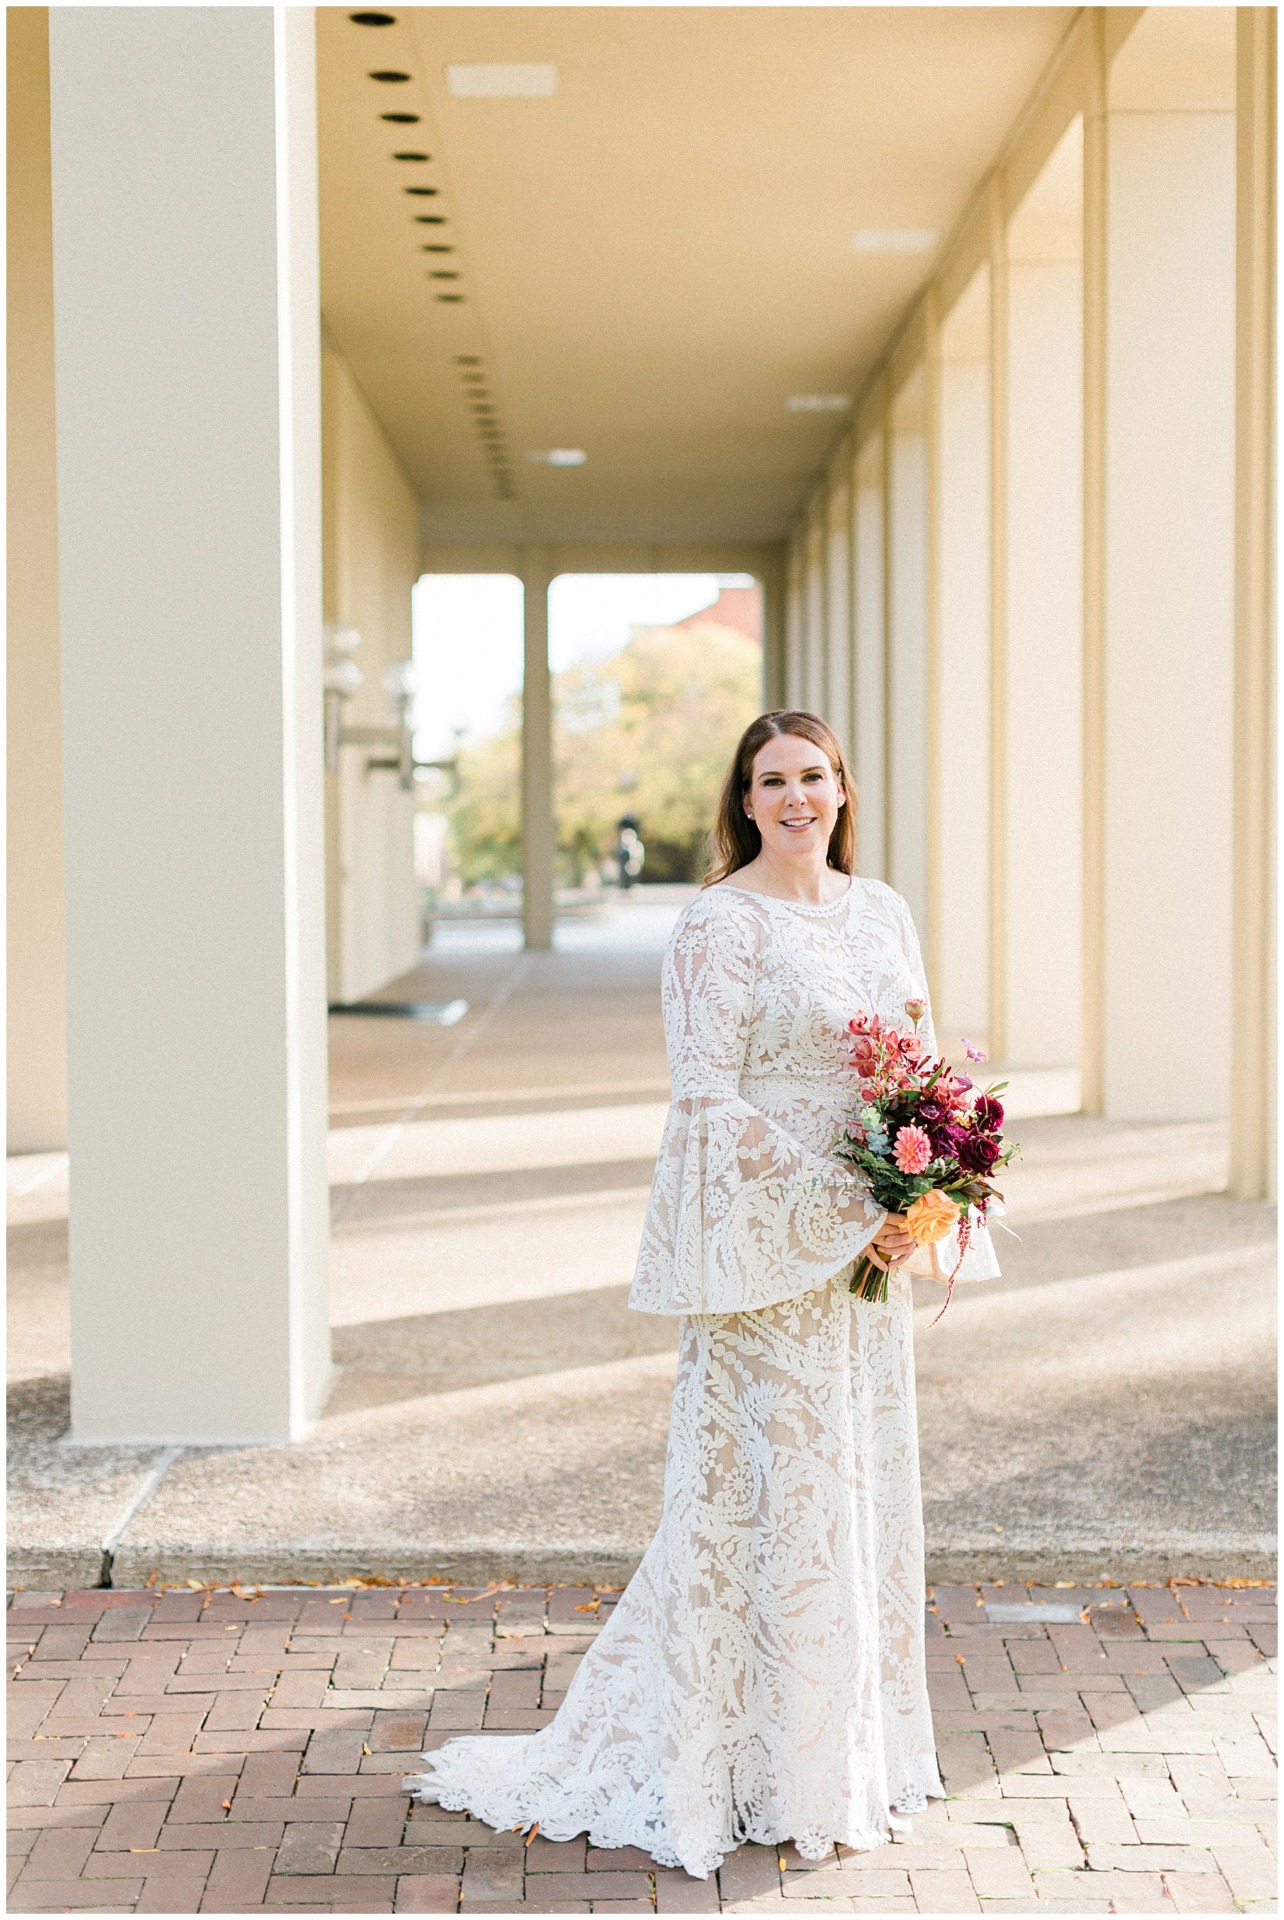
[{"x": 1104, "y": 1410}]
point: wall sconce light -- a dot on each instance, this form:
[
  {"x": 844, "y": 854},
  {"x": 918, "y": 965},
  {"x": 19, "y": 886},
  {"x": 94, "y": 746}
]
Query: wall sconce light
[{"x": 394, "y": 740}]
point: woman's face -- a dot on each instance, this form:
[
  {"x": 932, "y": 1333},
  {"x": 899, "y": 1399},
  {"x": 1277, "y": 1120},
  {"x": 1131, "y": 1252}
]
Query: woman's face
[{"x": 794, "y": 797}]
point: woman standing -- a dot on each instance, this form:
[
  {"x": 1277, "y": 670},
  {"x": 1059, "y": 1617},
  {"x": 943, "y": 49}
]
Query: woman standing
[{"x": 762, "y": 1677}]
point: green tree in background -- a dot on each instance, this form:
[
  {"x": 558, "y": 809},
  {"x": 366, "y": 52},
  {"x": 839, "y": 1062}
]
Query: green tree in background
[{"x": 648, "y": 732}]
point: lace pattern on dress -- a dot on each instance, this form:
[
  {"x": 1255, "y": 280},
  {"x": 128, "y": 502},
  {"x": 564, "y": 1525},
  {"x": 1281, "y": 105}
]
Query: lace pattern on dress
[{"x": 762, "y": 1678}]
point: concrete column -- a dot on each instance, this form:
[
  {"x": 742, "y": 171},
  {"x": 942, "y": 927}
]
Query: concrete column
[
  {"x": 539, "y": 822},
  {"x": 997, "y": 545},
  {"x": 813, "y": 674},
  {"x": 795, "y": 620},
  {"x": 961, "y": 748},
  {"x": 1042, "y": 784},
  {"x": 1159, "y": 356},
  {"x": 773, "y": 576},
  {"x": 838, "y": 607},
  {"x": 185, "y": 275},
  {"x": 37, "y": 1048},
  {"x": 1253, "y": 887},
  {"x": 908, "y": 771},
  {"x": 869, "y": 732}
]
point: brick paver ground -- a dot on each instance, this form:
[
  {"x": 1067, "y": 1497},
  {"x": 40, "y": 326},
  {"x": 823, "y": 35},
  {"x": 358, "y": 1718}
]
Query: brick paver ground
[{"x": 230, "y": 1752}]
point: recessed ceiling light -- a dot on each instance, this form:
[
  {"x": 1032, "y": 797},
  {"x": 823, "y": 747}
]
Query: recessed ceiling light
[
  {"x": 499, "y": 80},
  {"x": 373, "y": 19},
  {"x": 818, "y": 402},
  {"x": 894, "y": 239},
  {"x": 401, "y": 119},
  {"x": 412, "y": 156},
  {"x": 439, "y": 273},
  {"x": 559, "y": 457},
  {"x": 389, "y": 76},
  {"x": 453, "y": 299},
  {"x": 424, "y": 192},
  {"x": 435, "y": 246},
  {"x": 431, "y": 220},
  {"x": 467, "y": 359}
]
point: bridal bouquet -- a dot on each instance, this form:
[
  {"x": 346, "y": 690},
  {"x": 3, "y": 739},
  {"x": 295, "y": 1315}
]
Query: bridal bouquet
[{"x": 924, "y": 1139}]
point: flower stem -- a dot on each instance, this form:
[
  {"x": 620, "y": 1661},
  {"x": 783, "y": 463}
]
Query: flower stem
[{"x": 868, "y": 1281}]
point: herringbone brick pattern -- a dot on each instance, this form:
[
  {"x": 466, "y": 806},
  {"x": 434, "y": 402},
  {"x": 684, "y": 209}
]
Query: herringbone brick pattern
[{"x": 231, "y": 1752}]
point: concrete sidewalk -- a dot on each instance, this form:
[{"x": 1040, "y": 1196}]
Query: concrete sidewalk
[
  {"x": 1105, "y": 1410},
  {"x": 1103, "y": 1751}
]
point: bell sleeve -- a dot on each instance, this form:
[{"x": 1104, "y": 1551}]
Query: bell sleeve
[
  {"x": 938, "y": 1262},
  {"x": 741, "y": 1215}
]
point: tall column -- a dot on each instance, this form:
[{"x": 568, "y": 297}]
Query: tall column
[
  {"x": 1162, "y": 671},
  {"x": 37, "y": 1047},
  {"x": 774, "y": 629},
  {"x": 869, "y": 731},
  {"x": 185, "y": 277},
  {"x": 813, "y": 677},
  {"x": 997, "y": 547},
  {"x": 1042, "y": 784},
  {"x": 795, "y": 619},
  {"x": 539, "y": 820},
  {"x": 1253, "y": 885},
  {"x": 838, "y": 606},
  {"x": 961, "y": 746},
  {"x": 908, "y": 770}
]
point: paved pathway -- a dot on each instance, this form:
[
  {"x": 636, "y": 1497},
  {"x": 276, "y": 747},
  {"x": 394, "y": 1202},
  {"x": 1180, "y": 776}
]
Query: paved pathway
[
  {"x": 1106, "y": 1751},
  {"x": 1104, "y": 1411}
]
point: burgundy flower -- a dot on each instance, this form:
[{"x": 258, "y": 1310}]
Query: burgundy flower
[
  {"x": 977, "y": 1152},
  {"x": 989, "y": 1114},
  {"x": 946, "y": 1140}
]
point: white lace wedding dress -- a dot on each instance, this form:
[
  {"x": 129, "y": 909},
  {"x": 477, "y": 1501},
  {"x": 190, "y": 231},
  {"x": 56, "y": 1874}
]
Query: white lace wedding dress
[{"x": 762, "y": 1677}]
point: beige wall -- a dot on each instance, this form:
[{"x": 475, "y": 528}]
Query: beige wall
[
  {"x": 371, "y": 562},
  {"x": 36, "y": 977}
]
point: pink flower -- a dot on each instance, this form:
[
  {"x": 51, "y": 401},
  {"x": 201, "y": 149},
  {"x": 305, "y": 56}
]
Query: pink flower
[
  {"x": 973, "y": 1053},
  {"x": 912, "y": 1149}
]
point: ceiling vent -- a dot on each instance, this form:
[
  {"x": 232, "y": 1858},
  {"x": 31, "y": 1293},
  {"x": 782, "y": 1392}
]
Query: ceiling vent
[
  {"x": 894, "y": 239},
  {"x": 501, "y": 81},
  {"x": 818, "y": 402}
]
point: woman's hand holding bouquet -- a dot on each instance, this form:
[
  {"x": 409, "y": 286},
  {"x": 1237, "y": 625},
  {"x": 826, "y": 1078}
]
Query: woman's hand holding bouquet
[{"x": 925, "y": 1141}]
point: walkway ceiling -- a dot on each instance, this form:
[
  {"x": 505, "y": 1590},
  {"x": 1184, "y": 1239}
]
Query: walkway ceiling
[{"x": 652, "y": 259}]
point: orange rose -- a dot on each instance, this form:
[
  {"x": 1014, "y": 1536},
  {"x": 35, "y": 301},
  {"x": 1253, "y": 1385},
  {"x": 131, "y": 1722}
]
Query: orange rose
[{"x": 931, "y": 1217}]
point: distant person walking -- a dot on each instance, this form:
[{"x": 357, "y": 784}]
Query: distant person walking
[
  {"x": 630, "y": 854},
  {"x": 762, "y": 1678}
]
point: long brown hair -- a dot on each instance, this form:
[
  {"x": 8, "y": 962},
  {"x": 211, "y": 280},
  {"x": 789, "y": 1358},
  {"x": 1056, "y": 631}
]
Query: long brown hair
[{"x": 736, "y": 840}]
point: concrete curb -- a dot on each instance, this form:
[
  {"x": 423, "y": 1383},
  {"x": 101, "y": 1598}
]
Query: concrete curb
[{"x": 591, "y": 1563}]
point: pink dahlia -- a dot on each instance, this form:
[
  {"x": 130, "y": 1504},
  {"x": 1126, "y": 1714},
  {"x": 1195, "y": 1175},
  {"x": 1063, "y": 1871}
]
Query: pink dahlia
[{"x": 912, "y": 1149}]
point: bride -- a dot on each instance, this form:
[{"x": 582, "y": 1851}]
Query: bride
[{"x": 762, "y": 1677}]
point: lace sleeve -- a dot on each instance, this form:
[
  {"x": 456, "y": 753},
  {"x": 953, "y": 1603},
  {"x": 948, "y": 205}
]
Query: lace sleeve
[
  {"x": 742, "y": 1215},
  {"x": 980, "y": 1262}
]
